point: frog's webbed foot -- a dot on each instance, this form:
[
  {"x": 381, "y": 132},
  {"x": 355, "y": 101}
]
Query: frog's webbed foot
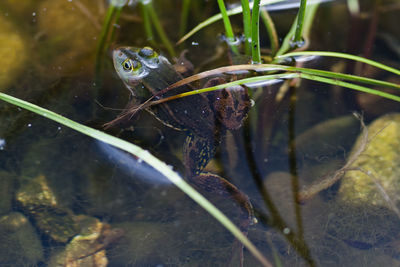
[{"x": 215, "y": 185}]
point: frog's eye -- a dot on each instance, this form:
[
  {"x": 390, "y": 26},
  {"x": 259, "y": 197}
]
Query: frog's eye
[
  {"x": 131, "y": 65},
  {"x": 147, "y": 52}
]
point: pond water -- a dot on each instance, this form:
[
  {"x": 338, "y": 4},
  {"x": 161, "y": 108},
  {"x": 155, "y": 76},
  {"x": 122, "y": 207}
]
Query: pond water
[{"x": 69, "y": 200}]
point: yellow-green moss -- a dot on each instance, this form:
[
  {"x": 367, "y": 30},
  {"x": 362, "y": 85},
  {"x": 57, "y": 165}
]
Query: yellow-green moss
[{"x": 381, "y": 159}]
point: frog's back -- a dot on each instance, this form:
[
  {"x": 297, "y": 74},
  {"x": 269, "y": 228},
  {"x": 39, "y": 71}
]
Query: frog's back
[{"x": 145, "y": 73}]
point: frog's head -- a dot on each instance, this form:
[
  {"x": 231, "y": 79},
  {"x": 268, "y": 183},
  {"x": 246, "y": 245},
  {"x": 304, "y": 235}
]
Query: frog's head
[{"x": 133, "y": 64}]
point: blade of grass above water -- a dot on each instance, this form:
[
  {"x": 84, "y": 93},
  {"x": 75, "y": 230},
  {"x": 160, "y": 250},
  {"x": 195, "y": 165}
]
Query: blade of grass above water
[
  {"x": 217, "y": 17},
  {"x": 274, "y": 68},
  {"x": 265, "y": 78},
  {"x": 246, "y": 26},
  {"x": 341, "y": 55},
  {"x": 228, "y": 27},
  {"x": 307, "y": 23},
  {"x": 149, "y": 159},
  {"x": 298, "y": 36},
  {"x": 255, "y": 30}
]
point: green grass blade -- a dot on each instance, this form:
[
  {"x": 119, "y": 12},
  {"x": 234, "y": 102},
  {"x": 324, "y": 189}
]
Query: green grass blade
[
  {"x": 273, "y": 68},
  {"x": 246, "y": 26},
  {"x": 298, "y": 36},
  {"x": 350, "y": 86},
  {"x": 341, "y": 55},
  {"x": 255, "y": 33},
  {"x": 149, "y": 159},
  {"x": 309, "y": 17},
  {"x": 228, "y": 27},
  {"x": 310, "y": 74},
  {"x": 342, "y": 76}
]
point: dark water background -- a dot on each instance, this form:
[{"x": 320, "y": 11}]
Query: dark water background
[{"x": 48, "y": 52}]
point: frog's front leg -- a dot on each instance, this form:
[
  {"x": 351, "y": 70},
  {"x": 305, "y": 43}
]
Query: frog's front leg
[{"x": 231, "y": 105}]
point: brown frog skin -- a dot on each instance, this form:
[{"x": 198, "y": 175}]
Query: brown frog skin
[{"x": 204, "y": 117}]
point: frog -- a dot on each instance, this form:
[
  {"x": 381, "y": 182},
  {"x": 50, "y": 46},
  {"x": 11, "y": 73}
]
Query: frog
[{"x": 204, "y": 117}]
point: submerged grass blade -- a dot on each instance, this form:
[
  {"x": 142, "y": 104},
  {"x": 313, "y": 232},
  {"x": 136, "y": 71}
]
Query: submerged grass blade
[
  {"x": 147, "y": 25},
  {"x": 149, "y": 159},
  {"x": 184, "y": 16},
  {"x": 112, "y": 15},
  {"x": 271, "y": 30},
  {"x": 341, "y": 55},
  {"x": 306, "y": 74},
  {"x": 160, "y": 30}
]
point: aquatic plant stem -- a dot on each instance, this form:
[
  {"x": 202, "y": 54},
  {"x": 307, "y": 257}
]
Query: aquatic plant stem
[
  {"x": 217, "y": 17},
  {"x": 157, "y": 25},
  {"x": 307, "y": 24},
  {"x": 149, "y": 159},
  {"x": 255, "y": 30},
  {"x": 293, "y": 160},
  {"x": 147, "y": 25},
  {"x": 246, "y": 26},
  {"x": 270, "y": 26},
  {"x": 277, "y": 220},
  {"x": 228, "y": 27},
  {"x": 298, "y": 36},
  {"x": 112, "y": 13},
  {"x": 184, "y": 16}
]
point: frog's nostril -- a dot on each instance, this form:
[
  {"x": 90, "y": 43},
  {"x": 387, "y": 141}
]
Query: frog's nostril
[{"x": 146, "y": 52}]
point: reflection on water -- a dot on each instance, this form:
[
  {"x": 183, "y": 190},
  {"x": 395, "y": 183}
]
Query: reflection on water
[
  {"x": 135, "y": 168},
  {"x": 67, "y": 200}
]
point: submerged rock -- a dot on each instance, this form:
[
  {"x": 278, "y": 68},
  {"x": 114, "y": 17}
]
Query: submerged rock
[
  {"x": 328, "y": 137},
  {"x": 363, "y": 227},
  {"x": 38, "y": 199},
  {"x": 89, "y": 247},
  {"x": 365, "y": 214},
  {"x": 380, "y": 163},
  {"x": 19, "y": 243}
]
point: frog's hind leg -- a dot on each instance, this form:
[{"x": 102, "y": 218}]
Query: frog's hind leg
[
  {"x": 220, "y": 191},
  {"x": 214, "y": 184},
  {"x": 197, "y": 153}
]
